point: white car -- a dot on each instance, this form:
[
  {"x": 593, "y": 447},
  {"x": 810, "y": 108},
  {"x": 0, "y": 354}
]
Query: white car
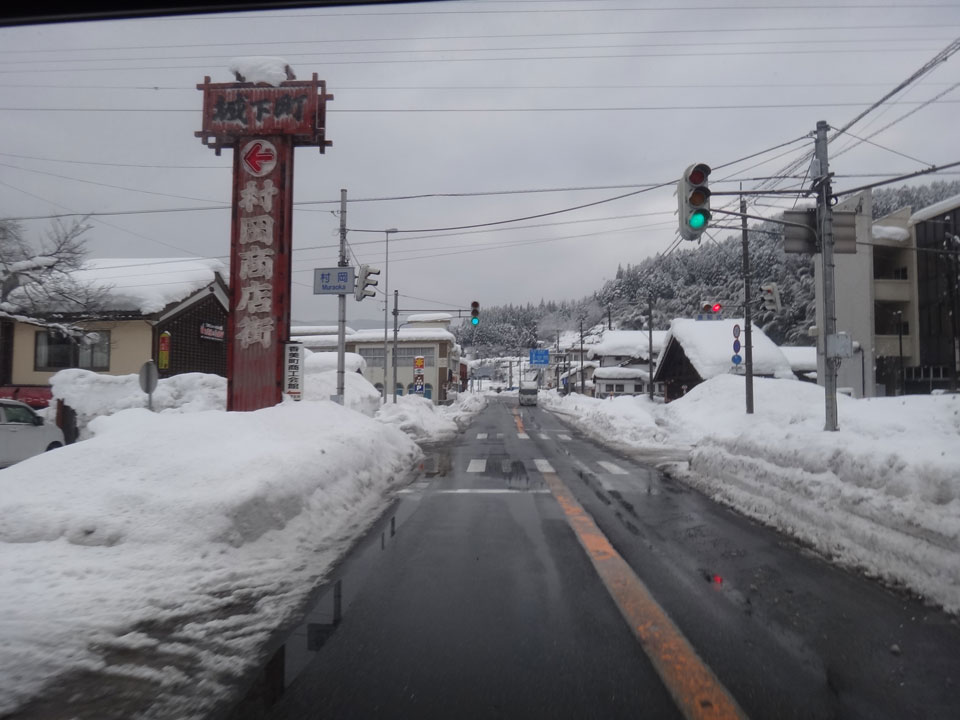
[{"x": 24, "y": 433}]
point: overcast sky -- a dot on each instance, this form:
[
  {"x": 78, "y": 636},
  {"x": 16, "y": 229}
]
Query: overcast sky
[{"x": 525, "y": 106}]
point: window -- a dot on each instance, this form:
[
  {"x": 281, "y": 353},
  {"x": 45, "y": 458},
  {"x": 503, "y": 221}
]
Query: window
[
  {"x": 16, "y": 414},
  {"x": 55, "y": 351},
  {"x": 406, "y": 354},
  {"x": 372, "y": 355},
  {"x": 618, "y": 387},
  {"x": 399, "y": 389}
]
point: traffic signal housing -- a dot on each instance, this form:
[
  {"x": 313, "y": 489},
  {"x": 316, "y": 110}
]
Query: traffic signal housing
[
  {"x": 693, "y": 201},
  {"x": 366, "y": 281},
  {"x": 474, "y": 313},
  {"x": 770, "y": 296}
]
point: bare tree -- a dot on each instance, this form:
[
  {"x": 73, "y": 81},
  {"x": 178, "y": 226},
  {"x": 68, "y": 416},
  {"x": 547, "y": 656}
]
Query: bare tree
[{"x": 36, "y": 282}]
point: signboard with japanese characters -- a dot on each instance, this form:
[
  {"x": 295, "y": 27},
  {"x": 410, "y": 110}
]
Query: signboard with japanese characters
[
  {"x": 418, "y": 384},
  {"x": 418, "y": 364},
  {"x": 293, "y": 372},
  {"x": 262, "y": 124},
  {"x": 163, "y": 351},
  {"x": 333, "y": 281}
]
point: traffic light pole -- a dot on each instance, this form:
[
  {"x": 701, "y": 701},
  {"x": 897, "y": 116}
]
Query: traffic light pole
[
  {"x": 396, "y": 329},
  {"x": 825, "y": 216},
  {"x": 747, "y": 344},
  {"x": 342, "y": 300}
]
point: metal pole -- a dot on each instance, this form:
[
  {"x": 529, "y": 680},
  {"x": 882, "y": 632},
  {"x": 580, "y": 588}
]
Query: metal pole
[
  {"x": 582, "y": 369},
  {"x": 825, "y": 216},
  {"x": 747, "y": 344},
  {"x": 342, "y": 300},
  {"x": 650, "y": 341},
  {"x": 903, "y": 382},
  {"x": 396, "y": 327},
  {"x": 386, "y": 303}
]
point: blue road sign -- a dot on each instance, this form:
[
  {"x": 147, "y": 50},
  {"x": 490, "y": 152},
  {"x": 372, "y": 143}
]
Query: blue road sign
[
  {"x": 737, "y": 359},
  {"x": 736, "y": 346},
  {"x": 540, "y": 357}
]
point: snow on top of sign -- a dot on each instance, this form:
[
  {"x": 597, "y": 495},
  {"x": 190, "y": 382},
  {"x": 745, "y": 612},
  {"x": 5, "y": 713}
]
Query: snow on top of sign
[
  {"x": 629, "y": 343},
  {"x": 261, "y": 69},
  {"x": 890, "y": 232},
  {"x": 931, "y": 211},
  {"x": 708, "y": 345},
  {"x": 621, "y": 373},
  {"x": 148, "y": 284},
  {"x": 429, "y": 317}
]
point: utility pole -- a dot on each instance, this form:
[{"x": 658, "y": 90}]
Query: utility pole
[
  {"x": 582, "y": 368},
  {"x": 396, "y": 327},
  {"x": 609, "y": 320},
  {"x": 650, "y": 341},
  {"x": 342, "y": 299},
  {"x": 825, "y": 218},
  {"x": 748, "y": 345}
]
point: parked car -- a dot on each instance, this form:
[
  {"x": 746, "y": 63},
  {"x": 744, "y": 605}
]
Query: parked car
[{"x": 24, "y": 433}]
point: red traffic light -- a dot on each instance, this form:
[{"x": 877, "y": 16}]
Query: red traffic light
[
  {"x": 698, "y": 175},
  {"x": 717, "y": 307}
]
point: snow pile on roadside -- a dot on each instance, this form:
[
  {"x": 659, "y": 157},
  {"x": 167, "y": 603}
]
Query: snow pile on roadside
[
  {"x": 359, "y": 393},
  {"x": 881, "y": 494},
  {"x": 180, "y": 541},
  {"x": 419, "y": 418},
  {"x": 92, "y": 395}
]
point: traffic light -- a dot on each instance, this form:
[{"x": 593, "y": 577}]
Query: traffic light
[
  {"x": 365, "y": 282},
  {"x": 693, "y": 201},
  {"x": 770, "y": 295},
  {"x": 711, "y": 307},
  {"x": 474, "y": 313}
]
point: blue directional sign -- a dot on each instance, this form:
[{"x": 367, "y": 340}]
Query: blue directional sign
[
  {"x": 540, "y": 357},
  {"x": 737, "y": 359}
]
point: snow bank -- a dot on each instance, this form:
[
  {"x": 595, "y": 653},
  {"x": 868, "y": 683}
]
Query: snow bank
[
  {"x": 419, "y": 418},
  {"x": 882, "y": 494},
  {"x": 194, "y": 535}
]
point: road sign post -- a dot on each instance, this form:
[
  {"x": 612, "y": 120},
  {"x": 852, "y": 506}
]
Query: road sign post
[{"x": 149, "y": 376}]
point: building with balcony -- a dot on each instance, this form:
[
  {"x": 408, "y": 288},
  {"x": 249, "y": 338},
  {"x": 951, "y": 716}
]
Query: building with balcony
[{"x": 897, "y": 299}]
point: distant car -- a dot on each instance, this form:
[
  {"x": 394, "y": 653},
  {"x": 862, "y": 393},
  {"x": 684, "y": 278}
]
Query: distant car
[{"x": 24, "y": 433}]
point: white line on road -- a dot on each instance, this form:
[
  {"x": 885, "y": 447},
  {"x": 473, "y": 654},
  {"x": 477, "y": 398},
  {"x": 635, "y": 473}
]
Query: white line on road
[
  {"x": 481, "y": 436},
  {"x": 523, "y": 436},
  {"x": 543, "y": 465},
  {"x": 477, "y": 465},
  {"x": 499, "y": 436},
  {"x": 491, "y": 491},
  {"x": 544, "y": 436},
  {"x": 565, "y": 438},
  {"x": 611, "y": 468}
]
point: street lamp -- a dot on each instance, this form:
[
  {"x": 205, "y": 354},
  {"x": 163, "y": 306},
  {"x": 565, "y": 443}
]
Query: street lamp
[{"x": 386, "y": 303}]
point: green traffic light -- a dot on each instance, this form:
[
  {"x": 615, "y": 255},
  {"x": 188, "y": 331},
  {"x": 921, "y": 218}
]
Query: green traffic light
[
  {"x": 474, "y": 321},
  {"x": 698, "y": 220}
]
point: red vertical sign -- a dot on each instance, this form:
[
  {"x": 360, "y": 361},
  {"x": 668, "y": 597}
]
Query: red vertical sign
[
  {"x": 262, "y": 124},
  {"x": 260, "y": 240}
]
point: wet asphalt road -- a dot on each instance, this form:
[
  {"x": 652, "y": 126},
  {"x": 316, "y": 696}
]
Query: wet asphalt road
[{"x": 484, "y": 604}]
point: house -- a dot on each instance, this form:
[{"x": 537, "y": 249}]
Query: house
[
  {"x": 420, "y": 336},
  {"x": 898, "y": 300},
  {"x": 579, "y": 378},
  {"x": 697, "y": 350},
  {"x": 625, "y": 360},
  {"x": 172, "y": 310}
]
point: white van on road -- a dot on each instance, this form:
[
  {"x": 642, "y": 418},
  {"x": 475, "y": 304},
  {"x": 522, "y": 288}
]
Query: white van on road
[{"x": 528, "y": 392}]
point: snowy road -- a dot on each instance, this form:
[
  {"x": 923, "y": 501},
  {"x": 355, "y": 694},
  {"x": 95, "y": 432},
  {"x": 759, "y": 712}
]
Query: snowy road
[{"x": 484, "y": 601}]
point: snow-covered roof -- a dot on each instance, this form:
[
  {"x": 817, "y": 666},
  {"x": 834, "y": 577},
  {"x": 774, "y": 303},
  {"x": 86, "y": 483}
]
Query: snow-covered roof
[
  {"x": 621, "y": 373},
  {"x": 931, "y": 211},
  {"x": 801, "y": 359},
  {"x": 430, "y": 317},
  {"x": 148, "y": 285},
  {"x": 708, "y": 345},
  {"x": 575, "y": 368},
  {"x": 406, "y": 334},
  {"x": 318, "y": 330},
  {"x": 270, "y": 70},
  {"x": 629, "y": 343},
  {"x": 322, "y": 361}
]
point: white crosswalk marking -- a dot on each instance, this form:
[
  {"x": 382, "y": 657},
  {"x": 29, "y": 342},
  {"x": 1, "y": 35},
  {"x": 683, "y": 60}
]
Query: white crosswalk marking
[
  {"x": 543, "y": 465},
  {"x": 481, "y": 436},
  {"x": 611, "y": 468},
  {"x": 499, "y": 436},
  {"x": 492, "y": 491},
  {"x": 477, "y": 465},
  {"x": 565, "y": 438},
  {"x": 544, "y": 436},
  {"x": 523, "y": 436}
]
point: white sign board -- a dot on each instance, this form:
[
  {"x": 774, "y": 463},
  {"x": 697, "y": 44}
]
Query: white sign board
[
  {"x": 333, "y": 281},
  {"x": 293, "y": 370}
]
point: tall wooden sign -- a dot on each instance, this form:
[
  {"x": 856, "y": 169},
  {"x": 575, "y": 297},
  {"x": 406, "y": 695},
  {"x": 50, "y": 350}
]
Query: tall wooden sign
[{"x": 263, "y": 124}]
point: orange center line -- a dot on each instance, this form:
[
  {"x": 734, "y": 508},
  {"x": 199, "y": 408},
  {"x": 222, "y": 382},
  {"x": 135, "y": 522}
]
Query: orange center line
[
  {"x": 699, "y": 694},
  {"x": 516, "y": 416}
]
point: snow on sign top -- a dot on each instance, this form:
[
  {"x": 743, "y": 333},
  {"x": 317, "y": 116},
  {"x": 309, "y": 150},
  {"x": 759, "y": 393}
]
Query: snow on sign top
[
  {"x": 430, "y": 317},
  {"x": 270, "y": 70},
  {"x": 708, "y": 346}
]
